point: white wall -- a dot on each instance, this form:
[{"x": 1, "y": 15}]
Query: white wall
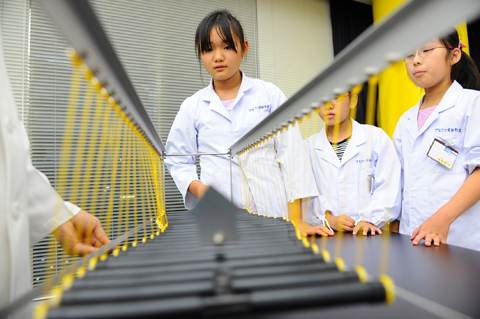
[{"x": 294, "y": 41}]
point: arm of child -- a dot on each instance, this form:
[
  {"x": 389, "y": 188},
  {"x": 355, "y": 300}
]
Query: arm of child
[
  {"x": 182, "y": 139},
  {"x": 198, "y": 189},
  {"x": 397, "y": 143},
  {"x": 81, "y": 235},
  {"x": 297, "y": 172},
  {"x": 395, "y": 226},
  {"x": 342, "y": 222},
  {"x": 435, "y": 228},
  {"x": 385, "y": 201},
  {"x": 295, "y": 215},
  {"x": 367, "y": 227}
]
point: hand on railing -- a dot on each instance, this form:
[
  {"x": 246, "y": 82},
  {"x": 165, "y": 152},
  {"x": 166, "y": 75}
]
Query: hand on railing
[{"x": 81, "y": 235}]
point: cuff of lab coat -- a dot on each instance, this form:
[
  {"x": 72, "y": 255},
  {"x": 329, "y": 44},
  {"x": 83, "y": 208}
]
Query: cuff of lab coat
[
  {"x": 327, "y": 224},
  {"x": 190, "y": 200},
  {"x": 472, "y": 160},
  {"x": 74, "y": 209}
]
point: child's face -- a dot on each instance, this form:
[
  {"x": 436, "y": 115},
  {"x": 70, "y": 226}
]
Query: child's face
[
  {"x": 336, "y": 112},
  {"x": 222, "y": 62},
  {"x": 430, "y": 71}
]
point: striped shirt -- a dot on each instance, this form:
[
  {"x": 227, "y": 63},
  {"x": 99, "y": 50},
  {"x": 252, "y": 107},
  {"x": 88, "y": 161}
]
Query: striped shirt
[{"x": 340, "y": 147}]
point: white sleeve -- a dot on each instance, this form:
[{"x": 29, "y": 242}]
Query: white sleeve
[
  {"x": 74, "y": 209},
  {"x": 296, "y": 167},
  {"x": 46, "y": 209},
  {"x": 292, "y": 156},
  {"x": 385, "y": 203},
  {"x": 182, "y": 139},
  {"x": 471, "y": 141},
  {"x": 318, "y": 205},
  {"x": 397, "y": 143}
]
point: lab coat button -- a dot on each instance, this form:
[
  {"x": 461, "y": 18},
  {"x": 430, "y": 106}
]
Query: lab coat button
[
  {"x": 15, "y": 210},
  {"x": 7, "y": 122}
]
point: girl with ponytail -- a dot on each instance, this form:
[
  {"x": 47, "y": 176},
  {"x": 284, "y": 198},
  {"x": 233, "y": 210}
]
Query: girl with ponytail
[{"x": 438, "y": 144}]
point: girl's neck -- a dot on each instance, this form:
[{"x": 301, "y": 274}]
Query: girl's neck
[
  {"x": 228, "y": 89},
  {"x": 434, "y": 94},
  {"x": 344, "y": 131}
]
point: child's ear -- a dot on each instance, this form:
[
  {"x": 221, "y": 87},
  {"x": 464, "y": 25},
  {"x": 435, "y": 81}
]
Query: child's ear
[
  {"x": 456, "y": 56},
  {"x": 353, "y": 101},
  {"x": 244, "y": 52}
]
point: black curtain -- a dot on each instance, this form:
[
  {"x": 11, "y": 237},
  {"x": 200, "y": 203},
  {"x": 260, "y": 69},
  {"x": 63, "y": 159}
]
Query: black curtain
[
  {"x": 349, "y": 19},
  {"x": 473, "y": 30}
]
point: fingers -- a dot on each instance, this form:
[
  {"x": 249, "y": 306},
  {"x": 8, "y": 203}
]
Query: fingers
[
  {"x": 357, "y": 228},
  {"x": 428, "y": 240},
  {"x": 373, "y": 230},
  {"x": 349, "y": 220},
  {"x": 100, "y": 234},
  {"x": 370, "y": 229},
  {"x": 415, "y": 233},
  {"x": 419, "y": 236},
  {"x": 436, "y": 241},
  {"x": 324, "y": 231},
  {"x": 97, "y": 244},
  {"x": 81, "y": 249},
  {"x": 346, "y": 223},
  {"x": 367, "y": 227}
]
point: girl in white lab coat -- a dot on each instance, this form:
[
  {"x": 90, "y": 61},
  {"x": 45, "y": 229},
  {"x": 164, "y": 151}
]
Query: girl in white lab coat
[
  {"x": 438, "y": 143},
  {"x": 356, "y": 170},
  {"x": 216, "y": 117}
]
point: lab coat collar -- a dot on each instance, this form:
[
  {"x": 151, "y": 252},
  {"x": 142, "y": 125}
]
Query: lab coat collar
[
  {"x": 358, "y": 138},
  {"x": 328, "y": 154},
  {"x": 448, "y": 101},
  {"x": 216, "y": 104}
]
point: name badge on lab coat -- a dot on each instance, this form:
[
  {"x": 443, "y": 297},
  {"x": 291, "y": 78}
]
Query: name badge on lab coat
[{"x": 442, "y": 153}]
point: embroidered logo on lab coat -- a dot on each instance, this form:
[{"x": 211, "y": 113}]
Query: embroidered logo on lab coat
[
  {"x": 448, "y": 129},
  {"x": 260, "y": 107},
  {"x": 368, "y": 160}
]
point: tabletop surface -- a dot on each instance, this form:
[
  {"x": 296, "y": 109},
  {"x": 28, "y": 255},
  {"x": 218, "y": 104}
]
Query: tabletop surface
[{"x": 432, "y": 282}]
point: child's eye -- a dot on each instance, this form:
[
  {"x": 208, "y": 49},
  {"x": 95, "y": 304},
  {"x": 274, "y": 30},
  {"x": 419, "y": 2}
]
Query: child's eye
[
  {"x": 427, "y": 50},
  {"x": 410, "y": 56},
  {"x": 228, "y": 47},
  {"x": 207, "y": 50}
]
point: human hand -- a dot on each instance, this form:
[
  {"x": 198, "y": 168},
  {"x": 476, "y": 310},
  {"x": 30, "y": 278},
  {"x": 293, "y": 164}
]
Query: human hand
[
  {"x": 198, "y": 189},
  {"x": 81, "y": 235},
  {"x": 434, "y": 229},
  {"x": 306, "y": 229},
  {"x": 367, "y": 227},
  {"x": 340, "y": 223},
  {"x": 395, "y": 226}
]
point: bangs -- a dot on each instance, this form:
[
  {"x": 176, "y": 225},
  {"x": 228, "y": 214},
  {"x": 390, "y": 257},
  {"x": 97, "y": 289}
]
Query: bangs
[{"x": 223, "y": 26}]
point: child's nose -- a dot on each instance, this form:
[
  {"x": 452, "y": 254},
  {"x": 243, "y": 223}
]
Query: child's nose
[
  {"x": 417, "y": 59},
  {"x": 218, "y": 56}
]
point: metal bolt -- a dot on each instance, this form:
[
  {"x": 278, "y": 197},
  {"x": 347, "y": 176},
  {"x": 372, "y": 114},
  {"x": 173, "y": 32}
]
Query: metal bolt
[{"x": 218, "y": 238}]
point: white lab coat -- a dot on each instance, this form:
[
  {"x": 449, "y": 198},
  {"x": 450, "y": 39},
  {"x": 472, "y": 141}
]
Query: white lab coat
[
  {"x": 365, "y": 185},
  {"x": 27, "y": 201},
  {"x": 427, "y": 185},
  {"x": 202, "y": 125}
]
